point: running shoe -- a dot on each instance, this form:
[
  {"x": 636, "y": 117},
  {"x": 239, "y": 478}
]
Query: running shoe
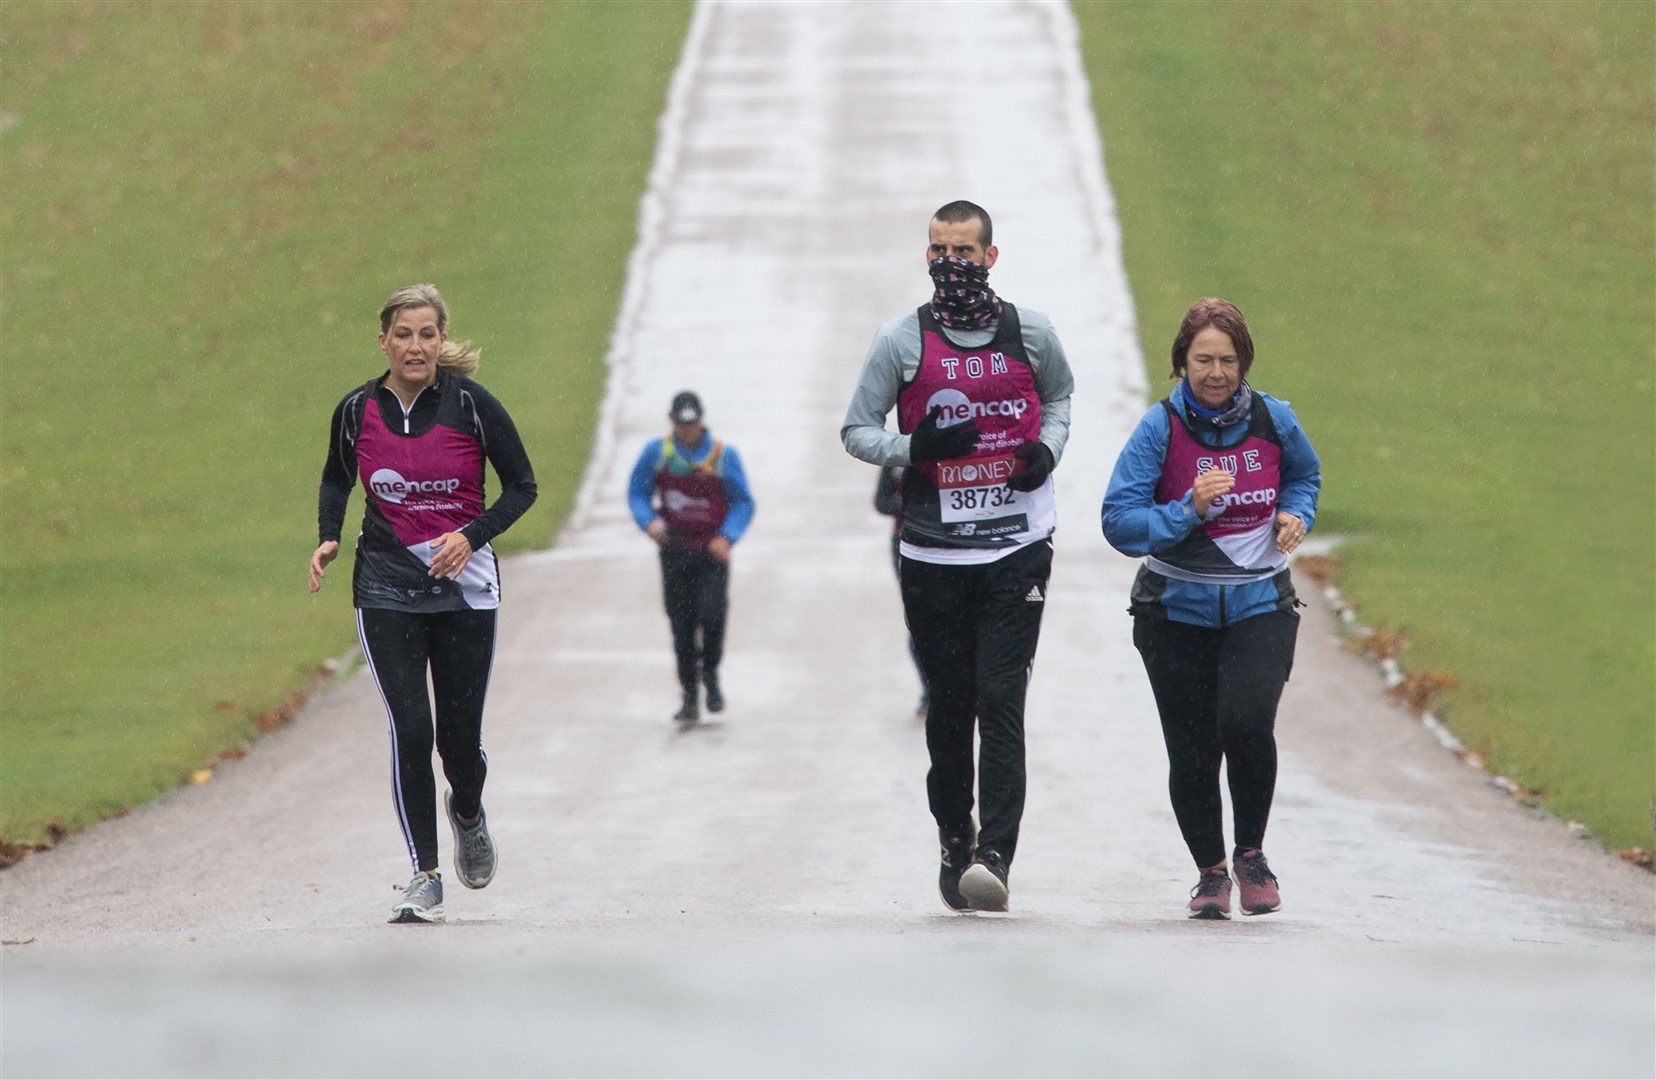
[
  {"x": 715, "y": 697},
  {"x": 984, "y": 882},
  {"x": 474, "y": 849},
  {"x": 1258, "y": 884},
  {"x": 422, "y": 901},
  {"x": 1210, "y": 899},
  {"x": 688, "y": 713},
  {"x": 957, "y": 856}
]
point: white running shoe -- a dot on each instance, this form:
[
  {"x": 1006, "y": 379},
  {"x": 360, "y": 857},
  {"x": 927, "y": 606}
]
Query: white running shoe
[{"x": 422, "y": 901}]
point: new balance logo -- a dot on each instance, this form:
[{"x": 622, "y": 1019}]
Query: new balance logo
[{"x": 1035, "y": 596}]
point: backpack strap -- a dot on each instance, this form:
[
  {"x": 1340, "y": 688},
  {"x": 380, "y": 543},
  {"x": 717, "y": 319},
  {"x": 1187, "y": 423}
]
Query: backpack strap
[{"x": 712, "y": 463}]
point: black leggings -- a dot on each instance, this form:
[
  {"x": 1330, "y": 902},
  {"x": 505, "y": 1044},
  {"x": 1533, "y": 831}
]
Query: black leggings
[
  {"x": 1217, "y": 692},
  {"x": 695, "y": 588},
  {"x": 976, "y": 628},
  {"x": 458, "y": 648}
]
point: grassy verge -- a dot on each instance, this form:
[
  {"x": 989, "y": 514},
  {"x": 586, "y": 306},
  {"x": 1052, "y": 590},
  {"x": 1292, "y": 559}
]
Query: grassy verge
[
  {"x": 1438, "y": 220},
  {"x": 205, "y": 205}
]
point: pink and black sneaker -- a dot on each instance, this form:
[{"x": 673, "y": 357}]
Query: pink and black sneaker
[
  {"x": 1258, "y": 884},
  {"x": 1210, "y": 899}
]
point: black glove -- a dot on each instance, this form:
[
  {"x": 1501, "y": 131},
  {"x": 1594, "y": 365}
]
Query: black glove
[
  {"x": 1040, "y": 466},
  {"x": 932, "y": 443}
]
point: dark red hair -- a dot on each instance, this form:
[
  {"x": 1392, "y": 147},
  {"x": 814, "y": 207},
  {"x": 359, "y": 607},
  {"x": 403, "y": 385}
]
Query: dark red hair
[{"x": 1221, "y": 315}]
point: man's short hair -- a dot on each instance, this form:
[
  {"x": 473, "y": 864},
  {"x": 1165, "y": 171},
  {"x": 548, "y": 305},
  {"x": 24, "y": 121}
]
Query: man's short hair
[{"x": 961, "y": 210}]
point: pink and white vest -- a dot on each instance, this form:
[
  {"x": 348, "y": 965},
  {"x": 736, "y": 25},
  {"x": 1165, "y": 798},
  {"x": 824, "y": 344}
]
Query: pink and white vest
[
  {"x": 1236, "y": 542},
  {"x": 419, "y": 486},
  {"x": 964, "y": 502}
]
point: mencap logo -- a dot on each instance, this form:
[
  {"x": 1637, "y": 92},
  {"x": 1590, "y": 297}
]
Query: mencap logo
[
  {"x": 389, "y": 486},
  {"x": 1258, "y": 497},
  {"x": 677, "y": 501},
  {"x": 958, "y": 408}
]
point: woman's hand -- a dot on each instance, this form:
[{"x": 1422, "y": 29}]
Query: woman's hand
[
  {"x": 325, "y": 553},
  {"x": 1290, "y": 531},
  {"x": 1209, "y": 486},
  {"x": 719, "y": 549},
  {"x": 450, "y": 554}
]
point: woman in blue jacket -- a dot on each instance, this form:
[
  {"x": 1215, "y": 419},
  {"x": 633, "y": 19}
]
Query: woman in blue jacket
[{"x": 1215, "y": 488}]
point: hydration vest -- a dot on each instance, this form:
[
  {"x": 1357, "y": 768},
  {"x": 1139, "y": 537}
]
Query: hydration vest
[{"x": 690, "y": 496}]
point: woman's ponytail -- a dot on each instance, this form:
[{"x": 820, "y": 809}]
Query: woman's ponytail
[{"x": 459, "y": 357}]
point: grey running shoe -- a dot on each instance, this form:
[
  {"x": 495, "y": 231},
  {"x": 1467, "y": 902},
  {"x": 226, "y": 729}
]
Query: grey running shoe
[
  {"x": 421, "y": 902},
  {"x": 688, "y": 712},
  {"x": 984, "y": 882},
  {"x": 715, "y": 696},
  {"x": 474, "y": 849},
  {"x": 957, "y": 856},
  {"x": 1210, "y": 899}
]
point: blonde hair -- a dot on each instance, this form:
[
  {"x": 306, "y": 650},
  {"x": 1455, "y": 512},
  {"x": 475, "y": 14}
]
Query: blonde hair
[{"x": 459, "y": 357}]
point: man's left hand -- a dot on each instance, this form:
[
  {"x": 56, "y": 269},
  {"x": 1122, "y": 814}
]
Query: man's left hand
[
  {"x": 719, "y": 549},
  {"x": 1039, "y": 457}
]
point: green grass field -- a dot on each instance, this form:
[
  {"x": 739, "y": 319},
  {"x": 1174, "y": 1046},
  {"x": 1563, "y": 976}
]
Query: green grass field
[
  {"x": 205, "y": 206},
  {"x": 1440, "y": 220}
]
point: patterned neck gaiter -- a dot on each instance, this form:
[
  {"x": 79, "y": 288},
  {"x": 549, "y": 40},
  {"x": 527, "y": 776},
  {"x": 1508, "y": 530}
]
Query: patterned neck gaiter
[
  {"x": 1232, "y": 412},
  {"x": 963, "y": 300}
]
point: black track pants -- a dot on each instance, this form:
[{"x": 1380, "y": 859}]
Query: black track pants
[
  {"x": 976, "y": 628},
  {"x": 696, "y": 590},
  {"x": 458, "y": 649},
  {"x": 897, "y": 565},
  {"x": 1217, "y": 692}
]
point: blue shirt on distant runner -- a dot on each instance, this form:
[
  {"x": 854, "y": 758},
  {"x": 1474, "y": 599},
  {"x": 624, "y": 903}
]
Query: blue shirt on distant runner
[{"x": 642, "y": 485}]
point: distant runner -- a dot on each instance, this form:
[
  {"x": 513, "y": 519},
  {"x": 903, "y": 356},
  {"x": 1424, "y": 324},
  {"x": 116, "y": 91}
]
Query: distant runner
[
  {"x": 982, "y": 393},
  {"x": 426, "y": 584},
  {"x": 689, "y": 493},
  {"x": 1215, "y": 488}
]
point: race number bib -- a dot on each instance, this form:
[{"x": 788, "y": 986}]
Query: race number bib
[{"x": 976, "y": 490}]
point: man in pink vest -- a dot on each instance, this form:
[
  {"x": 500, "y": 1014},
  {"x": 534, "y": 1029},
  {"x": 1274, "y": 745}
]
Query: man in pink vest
[
  {"x": 689, "y": 494},
  {"x": 982, "y": 391}
]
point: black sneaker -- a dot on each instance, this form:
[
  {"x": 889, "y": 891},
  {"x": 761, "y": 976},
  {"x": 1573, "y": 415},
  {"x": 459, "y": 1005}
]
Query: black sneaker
[
  {"x": 688, "y": 713},
  {"x": 715, "y": 698},
  {"x": 984, "y": 882},
  {"x": 957, "y": 856}
]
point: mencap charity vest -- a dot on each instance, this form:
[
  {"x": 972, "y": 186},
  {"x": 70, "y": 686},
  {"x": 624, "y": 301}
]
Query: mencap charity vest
[
  {"x": 1239, "y": 543},
  {"x": 964, "y": 502},
  {"x": 691, "y": 496},
  {"x": 417, "y": 487}
]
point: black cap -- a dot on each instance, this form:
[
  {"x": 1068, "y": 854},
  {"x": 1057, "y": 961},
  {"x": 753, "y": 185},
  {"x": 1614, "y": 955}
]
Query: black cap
[{"x": 687, "y": 408}]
